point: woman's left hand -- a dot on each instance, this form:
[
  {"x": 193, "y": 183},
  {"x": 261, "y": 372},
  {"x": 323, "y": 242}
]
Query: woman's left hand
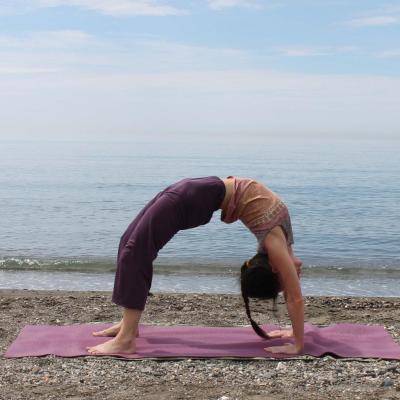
[{"x": 287, "y": 348}]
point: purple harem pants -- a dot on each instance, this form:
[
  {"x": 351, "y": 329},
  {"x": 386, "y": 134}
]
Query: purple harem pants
[{"x": 183, "y": 205}]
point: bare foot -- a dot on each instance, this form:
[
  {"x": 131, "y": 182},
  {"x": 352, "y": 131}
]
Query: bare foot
[
  {"x": 111, "y": 331},
  {"x": 113, "y": 346}
]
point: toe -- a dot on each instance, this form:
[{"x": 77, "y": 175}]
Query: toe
[{"x": 91, "y": 350}]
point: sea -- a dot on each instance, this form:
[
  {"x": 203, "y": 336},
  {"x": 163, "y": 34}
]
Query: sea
[{"x": 65, "y": 204}]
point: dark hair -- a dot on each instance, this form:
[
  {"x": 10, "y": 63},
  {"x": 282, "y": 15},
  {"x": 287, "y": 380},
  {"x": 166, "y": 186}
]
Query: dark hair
[{"x": 257, "y": 280}]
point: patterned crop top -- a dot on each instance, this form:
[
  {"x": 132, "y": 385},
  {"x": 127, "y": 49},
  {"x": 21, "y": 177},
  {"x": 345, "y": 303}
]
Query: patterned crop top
[{"x": 259, "y": 208}]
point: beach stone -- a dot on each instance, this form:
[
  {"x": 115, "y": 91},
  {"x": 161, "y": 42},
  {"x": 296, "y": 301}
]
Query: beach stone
[
  {"x": 81, "y": 378},
  {"x": 281, "y": 366},
  {"x": 372, "y": 373},
  {"x": 391, "y": 368},
  {"x": 387, "y": 382}
]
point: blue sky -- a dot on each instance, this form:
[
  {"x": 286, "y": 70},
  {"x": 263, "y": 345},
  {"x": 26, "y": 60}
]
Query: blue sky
[{"x": 124, "y": 69}]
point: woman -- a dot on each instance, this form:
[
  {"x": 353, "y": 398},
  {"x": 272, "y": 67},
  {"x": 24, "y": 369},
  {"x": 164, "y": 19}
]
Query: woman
[{"x": 190, "y": 203}]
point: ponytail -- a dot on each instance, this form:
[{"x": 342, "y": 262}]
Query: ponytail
[
  {"x": 257, "y": 280},
  {"x": 259, "y": 331}
]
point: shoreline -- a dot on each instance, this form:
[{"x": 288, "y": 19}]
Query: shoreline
[
  {"x": 314, "y": 284},
  {"x": 173, "y": 264},
  {"x": 87, "y": 377}
]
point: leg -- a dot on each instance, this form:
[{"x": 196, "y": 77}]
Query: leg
[
  {"x": 138, "y": 248},
  {"x": 137, "y": 252},
  {"x": 114, "y": 330},
  {"x": 124, "y": 341}
]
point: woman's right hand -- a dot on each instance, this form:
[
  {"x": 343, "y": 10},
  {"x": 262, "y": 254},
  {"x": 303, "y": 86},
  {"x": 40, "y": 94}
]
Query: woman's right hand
[
  {"x": 287, "y": 348},
  {"x": 281, "y": 333}
]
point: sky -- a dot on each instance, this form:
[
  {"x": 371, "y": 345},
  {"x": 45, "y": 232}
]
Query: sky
[{"x": 199, "y": 69}]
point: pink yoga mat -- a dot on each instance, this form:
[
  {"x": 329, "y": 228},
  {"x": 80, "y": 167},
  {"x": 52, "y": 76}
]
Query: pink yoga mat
[{"x": 341, "y": 340}]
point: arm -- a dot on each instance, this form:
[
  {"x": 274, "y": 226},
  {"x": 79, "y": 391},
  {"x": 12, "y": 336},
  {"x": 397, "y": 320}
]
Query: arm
[{"x": 282, "y": 262}]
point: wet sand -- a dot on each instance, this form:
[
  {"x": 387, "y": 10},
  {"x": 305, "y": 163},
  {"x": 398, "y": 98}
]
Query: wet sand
[{"x": 91, "y": 377}]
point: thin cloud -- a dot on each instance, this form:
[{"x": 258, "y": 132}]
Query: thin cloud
[
  {"x": 385, "y": 15},
  {"x": 101, "y": 106},
  {"x": 301, "y": 51},
  {"x": 18, "y": 70},
  {"x": 48, "y": 40},
  {"x": 222, "y": 4},
  {"x": 391, "y": 9},
  {"x": 115, "y": 8},
  {"x": 47, "y": 52},
  {"x": 78, "y": 52},
  {"x": 391, "y": 53},
  {"x": 379, "y": 20}
]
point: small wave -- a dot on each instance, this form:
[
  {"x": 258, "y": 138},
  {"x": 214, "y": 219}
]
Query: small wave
[
  {"x": 10, "y": 263},
  {"x": 351, "y": 271},
  {"x": 101, "y": 265},
  {"x": 168, "y": 266},
  {"x": 32, "y": 264}
]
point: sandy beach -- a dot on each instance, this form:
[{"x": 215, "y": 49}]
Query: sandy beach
[{"x": 91, "y": 377}]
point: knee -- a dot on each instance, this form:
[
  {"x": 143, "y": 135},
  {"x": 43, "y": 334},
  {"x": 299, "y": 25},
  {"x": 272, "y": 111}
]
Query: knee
[{"x": 125, "y": 257}]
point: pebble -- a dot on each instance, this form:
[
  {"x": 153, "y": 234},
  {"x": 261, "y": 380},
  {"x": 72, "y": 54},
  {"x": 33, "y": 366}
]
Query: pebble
[
  {"x": 81, "y": 378},
  {"x": 387, "y": 382},
  {"x": 36, "y": 370},
  {"x": 281, "y": 366}
]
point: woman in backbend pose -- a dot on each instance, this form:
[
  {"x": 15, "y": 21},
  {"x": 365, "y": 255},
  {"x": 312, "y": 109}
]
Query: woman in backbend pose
[{"x": 190, "y": 203}]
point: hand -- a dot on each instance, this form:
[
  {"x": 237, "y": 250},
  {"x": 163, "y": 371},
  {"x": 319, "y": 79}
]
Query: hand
[
  {"x": 281, "y": 333},
  {"x": 287, "y": 348}
]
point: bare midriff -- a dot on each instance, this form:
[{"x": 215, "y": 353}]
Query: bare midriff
[{"x": 228, "y": 182}]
